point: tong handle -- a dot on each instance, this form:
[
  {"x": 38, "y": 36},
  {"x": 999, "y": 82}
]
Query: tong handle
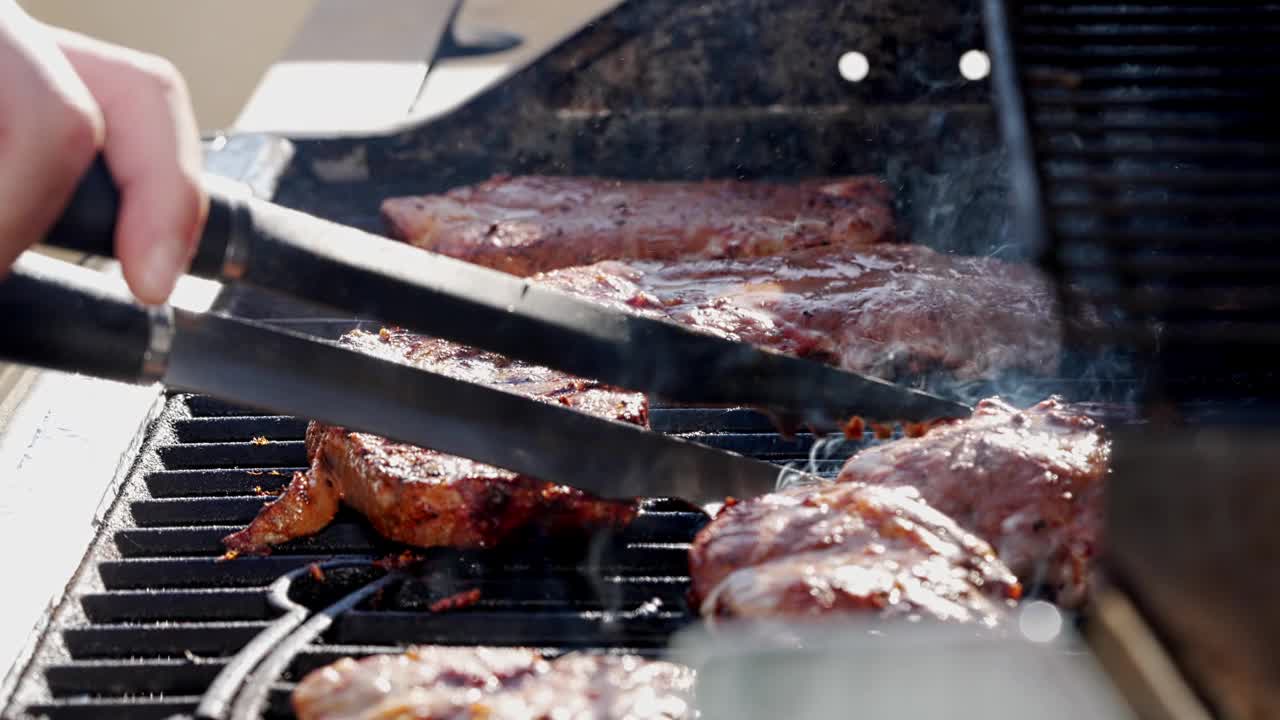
[
  {"x": 61, "y": 316},
  {"x": 88, "y": 224}
]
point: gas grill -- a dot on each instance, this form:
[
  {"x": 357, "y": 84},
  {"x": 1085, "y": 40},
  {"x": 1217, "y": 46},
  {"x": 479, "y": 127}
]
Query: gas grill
[{"x": 156, "y": 623}]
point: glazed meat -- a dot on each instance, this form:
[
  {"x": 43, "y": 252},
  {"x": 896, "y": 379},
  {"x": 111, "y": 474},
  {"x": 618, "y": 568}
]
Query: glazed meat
[
  {"x": 1028, "y": 481},
  {"x": 809, "y": 551},
  {"x": 889, "y": 310},
  {"x": 456, "y": 683},
  {"x": 425, "y": 498},
  {"x": 524, "y": 225}
]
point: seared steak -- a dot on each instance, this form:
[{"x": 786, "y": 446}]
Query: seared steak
[
  {"x": 888, "y": 310},
  {"x": 425, "y": 498},
  {"x": 524, "y": 225},
  {"x": 1028, "y": 481},
  {"x": 809, "y": 551},
  {"x": 444, "y": 682}
]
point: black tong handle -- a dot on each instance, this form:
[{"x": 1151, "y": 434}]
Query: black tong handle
[
  {"x": 88, "y": 224},
  {"x": 65, "y": 317}
]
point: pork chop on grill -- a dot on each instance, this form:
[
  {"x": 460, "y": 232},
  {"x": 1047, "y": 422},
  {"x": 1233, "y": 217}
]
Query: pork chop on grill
[
  {"x": 426, "y": 498},
  {"x": 524, "y": 225},
  {"x": 1030, "y": 482},
  {"x": 888, "y": 310},
  {"x": 433, "y": 683},
  {"x": 809, "y": 551}
]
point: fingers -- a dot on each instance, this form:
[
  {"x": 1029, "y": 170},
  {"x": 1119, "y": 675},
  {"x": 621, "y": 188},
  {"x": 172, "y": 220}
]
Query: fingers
[
  {"x": 50, "y": 130},
  {"x": 152, "y": 147}
]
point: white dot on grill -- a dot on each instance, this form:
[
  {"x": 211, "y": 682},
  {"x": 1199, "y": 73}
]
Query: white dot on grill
[
  {"x": 853, "y": 66},
  {"x": 975, "y": 65}
]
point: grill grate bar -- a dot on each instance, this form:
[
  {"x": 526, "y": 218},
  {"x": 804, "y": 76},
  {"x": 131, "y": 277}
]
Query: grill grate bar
[
  {"x": 1153, "y": 124},
  {"x": 342, "y": 538},
  {"x": 1153, "y": 77},
  {"x": 1233, "y": 53},
  {"x": 543, "y": 592},
  {"x": 1151, "y": 30},
  {"x": 235, "y": 510},
  {"x": 222, "y": 429},
  {"x": 1072, "y": 147},
  {"x": 1179, "y": 99},
  {"x": 1155, "y": 181},
  {"x": 1125, "y": 208},
  {"x": 131, "y": 677},
  {"x": 187, "y": 483},
  {"x": 142, "y": 708},
  {"x": 1155, "y": 300},
  {"x": 270, "y": 454},
  {"x": 176, "y": 605},
  {"x": 200, "y": 572},
  {"x": 212, "y": 639},
  {"x": 480, "y": 627},
  {"x": 1118, "y": 13},
  {"x": 1216, "y": 242},
  {"x": 339, "y": 537},
  {"x": 205, "y": 406}
]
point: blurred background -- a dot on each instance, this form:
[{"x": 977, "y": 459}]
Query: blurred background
[
  {"x": 193, "y": 35},
  {"x": 317, "y": 65}
]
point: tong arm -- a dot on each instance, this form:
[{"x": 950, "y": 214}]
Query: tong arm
[{"x": 64, "y": 317}]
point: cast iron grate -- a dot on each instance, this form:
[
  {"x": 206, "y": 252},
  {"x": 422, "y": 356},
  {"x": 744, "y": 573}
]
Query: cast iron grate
[
  {"x": 1144, "y": 139},
  {"x": 155, "y": 614}
]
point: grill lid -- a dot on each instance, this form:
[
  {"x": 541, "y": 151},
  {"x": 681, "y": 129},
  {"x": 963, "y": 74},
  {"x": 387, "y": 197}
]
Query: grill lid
[{"x": 1144, "y": 143}]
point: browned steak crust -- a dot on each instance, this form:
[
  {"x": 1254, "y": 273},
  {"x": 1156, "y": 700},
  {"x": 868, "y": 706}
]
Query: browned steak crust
[
  {"x": 888, "y": 310},
  {"x": 433, "y": 683},
  {"x": 1028, "y": 481},
  {"x": 810, "y": 551},
  {"x": 426, "y": 498},
  {"x": 524, "y": 225}
]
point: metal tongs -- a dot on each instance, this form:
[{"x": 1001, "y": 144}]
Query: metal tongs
[{"x": 61, "y": 316}]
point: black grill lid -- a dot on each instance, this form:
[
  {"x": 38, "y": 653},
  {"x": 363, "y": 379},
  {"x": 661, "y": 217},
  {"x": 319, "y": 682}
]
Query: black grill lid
[{"x": 1145, "y": 140}]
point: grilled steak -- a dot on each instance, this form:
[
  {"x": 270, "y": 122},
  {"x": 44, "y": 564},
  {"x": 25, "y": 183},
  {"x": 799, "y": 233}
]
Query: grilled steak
[
  {"x": 1030, "y": 482},
  {"x": 809, "y": 551},
  {"x": 425, "y": 498},
  {"x": 525, "y": 225},
  {"x": 888, "y": 310},
  {"x": 455, "y": 683}
]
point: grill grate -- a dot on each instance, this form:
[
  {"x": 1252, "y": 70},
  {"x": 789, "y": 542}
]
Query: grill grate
[
  {"x": 155, "y": 615},
  {"x": 1144, "y": 141}
]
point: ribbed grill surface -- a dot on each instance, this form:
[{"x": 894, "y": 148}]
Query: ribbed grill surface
[
  {"x": 1156, "y": 137},
  {"x": 156, "y": 613}
]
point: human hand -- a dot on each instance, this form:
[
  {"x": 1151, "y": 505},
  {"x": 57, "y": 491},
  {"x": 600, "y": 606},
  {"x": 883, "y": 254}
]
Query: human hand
[{"x": 64, "y": 98}]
